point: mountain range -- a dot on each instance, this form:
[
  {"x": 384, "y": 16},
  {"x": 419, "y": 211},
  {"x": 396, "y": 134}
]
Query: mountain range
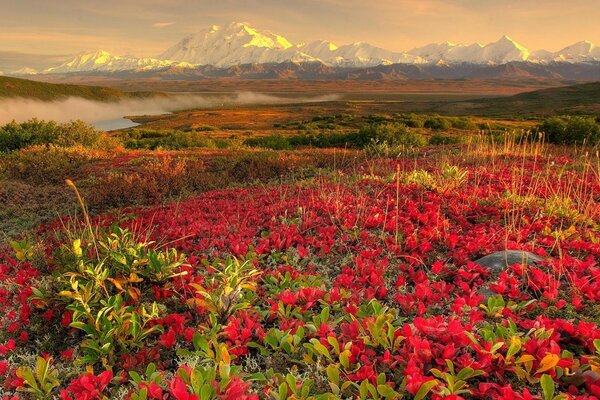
[{"x": 239, "y": 44}]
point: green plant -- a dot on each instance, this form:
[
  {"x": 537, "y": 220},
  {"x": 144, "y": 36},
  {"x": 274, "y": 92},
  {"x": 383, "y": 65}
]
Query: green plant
[
  {"x": 142, "y": 382},
  {"x": 224, "y": 290},
  {"x": 420, "y": 178},
  {"x": 117, "y": 263},
  {"x": 113, "y": 329},
  {"x": 24, "y": 249},
  {"x": 496, "y": 305},
  {"x": 380, "y": 391},
  {"x": 294, "y": 389},
  {"x": 15, "y": 136},
  {"x": 571, "y": 130},
  {"x": 454, "y": 383},
  {"x": 43, "y": 381},
  {"x": 451, "y": 177}
]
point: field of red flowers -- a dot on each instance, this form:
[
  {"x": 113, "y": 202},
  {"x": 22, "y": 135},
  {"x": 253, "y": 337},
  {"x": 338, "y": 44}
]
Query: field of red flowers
[{"x": 361, "y": 284}]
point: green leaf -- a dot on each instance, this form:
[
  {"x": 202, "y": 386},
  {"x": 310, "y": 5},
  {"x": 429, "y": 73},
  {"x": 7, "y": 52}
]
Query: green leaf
[
  {"x": 291, "y": 381},
  {"x": 283, "y": 390},
  {"x": 597, "y": 345},
  {"x": 425, "y": 389},
  {"x": 548, "y": 387},
  {"x": 333, "y": 373},
  {"x": 345, "y": 358},
  {"x": 321, "y": 349},
  {"x": 386, "y": 391},
  {"x": 135, "y": 376},
  {"x": 515, "y": 346},
  {"x": 465, "y": 373}
]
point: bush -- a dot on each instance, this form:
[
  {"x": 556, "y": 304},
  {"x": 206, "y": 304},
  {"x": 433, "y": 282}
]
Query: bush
[
  {"x": 412, "y": 120},
  {"x": 273, "y": 142},
  {"x": 15, "y": 136},
  {"x": 437, "y": 123},
  {"x": 464, "y": 123},
  {"x": 394, "y": 134},
  {"x": 169, "y": 140},
  {"x": 440, "y": 139},
  {"x": 46, "y": 164},
  {"x": 571, "y": 130}
]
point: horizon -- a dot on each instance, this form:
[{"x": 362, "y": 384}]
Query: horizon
[{"x": 146, "y": 29}]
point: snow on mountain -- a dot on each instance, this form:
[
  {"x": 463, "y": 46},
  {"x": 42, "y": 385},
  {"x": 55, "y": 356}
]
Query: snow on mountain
[
  {"x": 235, "y": 44},
  {"x": 104, "y": 61},
  {"x": 503, "y": 51},
  {"x": 584, "y": 51},
  {"x": 321, "y": 50},
  {"x": 239, "y": 43},
  {"x": 25, "y": 71},
  {"x": 362, "y": 54}
]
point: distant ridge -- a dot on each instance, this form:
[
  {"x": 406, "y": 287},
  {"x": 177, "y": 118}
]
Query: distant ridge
[{"x": 15, "y": 87}]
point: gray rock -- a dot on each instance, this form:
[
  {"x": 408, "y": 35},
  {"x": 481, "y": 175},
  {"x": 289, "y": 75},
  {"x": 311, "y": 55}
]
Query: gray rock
[{"x": 497, "y": 262}]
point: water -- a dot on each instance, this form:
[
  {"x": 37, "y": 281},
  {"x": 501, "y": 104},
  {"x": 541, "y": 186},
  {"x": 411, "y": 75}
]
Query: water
[{"x": 114, "y": 124}]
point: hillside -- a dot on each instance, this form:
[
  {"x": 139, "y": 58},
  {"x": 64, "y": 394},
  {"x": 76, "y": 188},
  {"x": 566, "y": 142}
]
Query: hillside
[
  {"x": 15, "y": 87},
  {"x": 582, "y": 98}
]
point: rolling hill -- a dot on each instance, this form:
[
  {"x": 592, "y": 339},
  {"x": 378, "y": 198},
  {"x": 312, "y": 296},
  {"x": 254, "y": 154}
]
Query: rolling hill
[
  {"x": 15, "y": 87},
  {"x": 576, "y": 99}
]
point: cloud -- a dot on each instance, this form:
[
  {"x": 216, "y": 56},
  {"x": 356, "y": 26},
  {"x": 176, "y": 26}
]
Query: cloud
[{"x": 161, "y": 25}]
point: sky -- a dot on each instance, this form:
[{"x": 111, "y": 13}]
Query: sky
[{"x": 148, "y": 27}]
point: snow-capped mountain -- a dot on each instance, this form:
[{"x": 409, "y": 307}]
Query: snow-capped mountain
[
  {"x": 26, "y": 71},
  {"x": 239, "y": 43},
  {"x": 584, "y": 51},
  {"x": 105, "y": 62},
  {"x": 503, "y": 51},
  {"x": 234, "y": 44}
]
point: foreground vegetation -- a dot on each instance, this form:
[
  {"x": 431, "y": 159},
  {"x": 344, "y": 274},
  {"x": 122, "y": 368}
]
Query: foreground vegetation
[{"x": 247, "y": 273}]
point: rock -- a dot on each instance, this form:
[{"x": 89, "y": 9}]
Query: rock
[{"x": 497, "y": 262}]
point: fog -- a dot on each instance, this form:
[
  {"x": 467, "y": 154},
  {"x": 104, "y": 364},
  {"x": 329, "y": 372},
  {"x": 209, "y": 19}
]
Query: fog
[{"x": 21, "y": 109}]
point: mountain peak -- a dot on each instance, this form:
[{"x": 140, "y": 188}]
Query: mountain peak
[
  {"x": 101, "y": 60},
  {"x": 238, "y": 43}
]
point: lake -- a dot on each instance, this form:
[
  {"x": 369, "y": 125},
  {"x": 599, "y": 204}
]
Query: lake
[{"x": 114, "y": 124}]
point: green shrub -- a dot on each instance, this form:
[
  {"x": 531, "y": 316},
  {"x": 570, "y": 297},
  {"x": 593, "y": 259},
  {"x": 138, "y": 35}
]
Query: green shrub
[
  {"x": 15, "y": 136},
  {"x": 464, "y": 123},
  {"x": 412, "y": 120},
  {"x": 273, "y": 142},
  {"x": 440, "y": 139},
  {"x": 168, "y": 139},
  {"x": 394, "y": 134},
  {"x": 437, "y": 123},
  {"x": 571, "y": 130}
]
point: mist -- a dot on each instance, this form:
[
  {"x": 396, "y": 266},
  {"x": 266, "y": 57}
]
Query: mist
[{"x": 72, "y": 108}]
